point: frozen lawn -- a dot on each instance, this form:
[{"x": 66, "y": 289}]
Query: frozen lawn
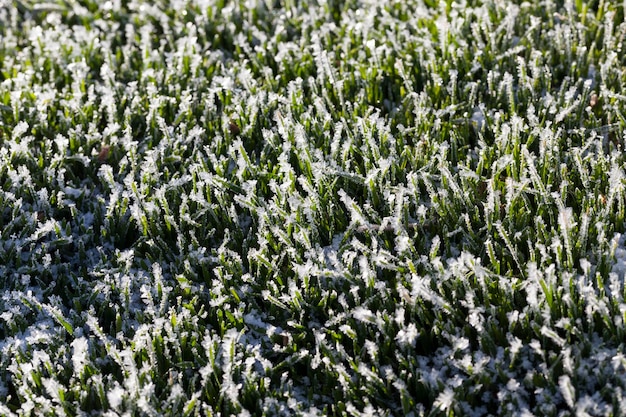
[{"x": 331, "y": 207}]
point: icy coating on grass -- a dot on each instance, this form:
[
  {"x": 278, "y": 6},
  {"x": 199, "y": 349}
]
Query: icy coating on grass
[{"x": 395, "y": 208}]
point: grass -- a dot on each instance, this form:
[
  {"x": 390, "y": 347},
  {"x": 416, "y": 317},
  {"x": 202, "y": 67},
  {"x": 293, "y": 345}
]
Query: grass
[{"x": 312, "y": 208}]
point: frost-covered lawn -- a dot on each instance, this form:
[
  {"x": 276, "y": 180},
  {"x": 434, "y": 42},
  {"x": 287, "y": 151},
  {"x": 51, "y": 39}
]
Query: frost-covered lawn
[{"x": 331, "y": 207}]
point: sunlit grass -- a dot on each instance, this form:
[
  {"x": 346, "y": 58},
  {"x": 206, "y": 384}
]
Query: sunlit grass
[{"x": 312, "y": 208}]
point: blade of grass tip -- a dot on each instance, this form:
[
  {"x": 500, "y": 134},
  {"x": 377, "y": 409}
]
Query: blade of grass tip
[{"x": 48, "y": 7}]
